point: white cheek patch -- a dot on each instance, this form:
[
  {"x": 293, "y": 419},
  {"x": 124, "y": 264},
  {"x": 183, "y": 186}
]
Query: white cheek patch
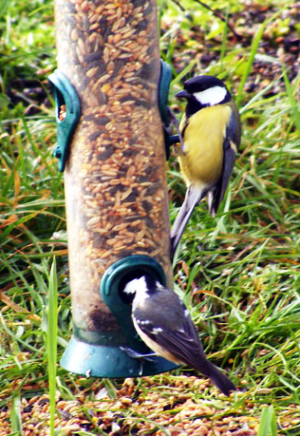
[
  {"x": 135, "y": 285},
  {"x": 211, "y": 96}
]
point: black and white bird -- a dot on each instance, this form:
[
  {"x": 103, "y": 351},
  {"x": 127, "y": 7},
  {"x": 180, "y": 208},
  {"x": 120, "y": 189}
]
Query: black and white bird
[{"x": 165, "y": 325}]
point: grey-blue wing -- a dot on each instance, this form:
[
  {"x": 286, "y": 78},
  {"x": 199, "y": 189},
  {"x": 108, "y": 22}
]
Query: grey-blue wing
[
  {"x": 181, "y": 341},
  {"x": 177, "y": 334},
  {"x": 230, "y": 147}
]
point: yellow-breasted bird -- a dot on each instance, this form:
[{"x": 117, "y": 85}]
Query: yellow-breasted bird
[{"x": 211, "y": 134}]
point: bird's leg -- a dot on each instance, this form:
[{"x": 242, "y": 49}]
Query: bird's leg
[
  {"x": 136, "y": 355},
  {"x": 174, "y": 122}
]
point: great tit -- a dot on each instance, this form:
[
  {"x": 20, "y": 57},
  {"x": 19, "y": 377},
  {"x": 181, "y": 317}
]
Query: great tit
[
  {"x": 165, "y": 325},
  {"x": 211, "y": 134}
]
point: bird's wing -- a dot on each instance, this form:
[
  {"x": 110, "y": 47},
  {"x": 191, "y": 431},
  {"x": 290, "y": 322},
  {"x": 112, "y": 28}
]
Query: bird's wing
[
  {"x": 228, "y": 164},
  {"x": 230, "y": 147},
  {"x": 183, "y": 343},
  {"x": 186, "y": 349},
  {"x": 192, "y": 197}
]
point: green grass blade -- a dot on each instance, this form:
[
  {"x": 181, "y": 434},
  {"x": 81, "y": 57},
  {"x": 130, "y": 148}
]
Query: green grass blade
[
  {"x": 292, "y": 100},
  {"x": 15, "y": 417},
  {"x": 111, "y": 390},
  {"x": 254, "y": 48},
  {"x": 224, "y": 40},
  {"x": 184, "y": 72},
  {"x": 267, "y": 424},
  {"x": 4, "y": 4},
  {"x": 52, "y": 341}
]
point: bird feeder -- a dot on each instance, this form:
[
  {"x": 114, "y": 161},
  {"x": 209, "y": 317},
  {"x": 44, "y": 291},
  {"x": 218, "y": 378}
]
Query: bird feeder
[{"x": 111, "y": 148}]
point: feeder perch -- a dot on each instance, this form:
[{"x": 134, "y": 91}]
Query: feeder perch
[
  {"x": 115, "y": 175},
  {"x": 67, "y": 115}
]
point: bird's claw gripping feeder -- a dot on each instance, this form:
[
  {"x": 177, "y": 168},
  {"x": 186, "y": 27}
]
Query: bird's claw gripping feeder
[{"x": 111, "y": 149}]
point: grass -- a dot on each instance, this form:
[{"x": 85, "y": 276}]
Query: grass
[
  {"x": 267, "y": 425},
  {"x": 52, "y": 343},
  {"x": 238, "y": 273}
]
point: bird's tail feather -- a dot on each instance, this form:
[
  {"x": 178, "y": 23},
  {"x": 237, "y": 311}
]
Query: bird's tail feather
[
  {"x": 221, "y": 381},
  {"x": 192, "y": 198}
]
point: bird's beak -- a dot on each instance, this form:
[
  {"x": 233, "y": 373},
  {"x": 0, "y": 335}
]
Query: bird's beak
[{"x": 182, "y": 94}]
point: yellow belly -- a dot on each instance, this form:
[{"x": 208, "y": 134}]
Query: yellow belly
[{"x": 201, "y": 161}]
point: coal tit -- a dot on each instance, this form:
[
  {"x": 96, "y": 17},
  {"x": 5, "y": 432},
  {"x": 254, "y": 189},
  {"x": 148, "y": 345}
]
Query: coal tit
[{"x": 165, "y": 325}]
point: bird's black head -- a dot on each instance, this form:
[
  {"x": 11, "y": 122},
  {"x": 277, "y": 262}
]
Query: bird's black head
[
  {"x": 202, "y": 83},
  {"x": 202, "y": 91},
  {"x": 145, "y": 283},
  {"x": 152, "y": 285}
]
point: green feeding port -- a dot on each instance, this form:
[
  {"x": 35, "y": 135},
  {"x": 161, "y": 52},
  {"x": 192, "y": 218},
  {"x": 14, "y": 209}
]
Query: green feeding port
[
  {"x": 163, "y": 97},
  {"x": 113, "y": 284},
  {"x": 108, "y": 359},
  {"x": 67, "y": 115}
]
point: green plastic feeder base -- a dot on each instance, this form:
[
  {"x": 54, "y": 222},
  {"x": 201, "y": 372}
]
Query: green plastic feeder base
[
  {"x": 109, "y": 362},
  {"x": 87, "y": 355}
]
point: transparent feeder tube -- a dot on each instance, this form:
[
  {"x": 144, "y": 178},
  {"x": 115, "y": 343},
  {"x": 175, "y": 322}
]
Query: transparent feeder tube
[{"x": 115, "y": 177}]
